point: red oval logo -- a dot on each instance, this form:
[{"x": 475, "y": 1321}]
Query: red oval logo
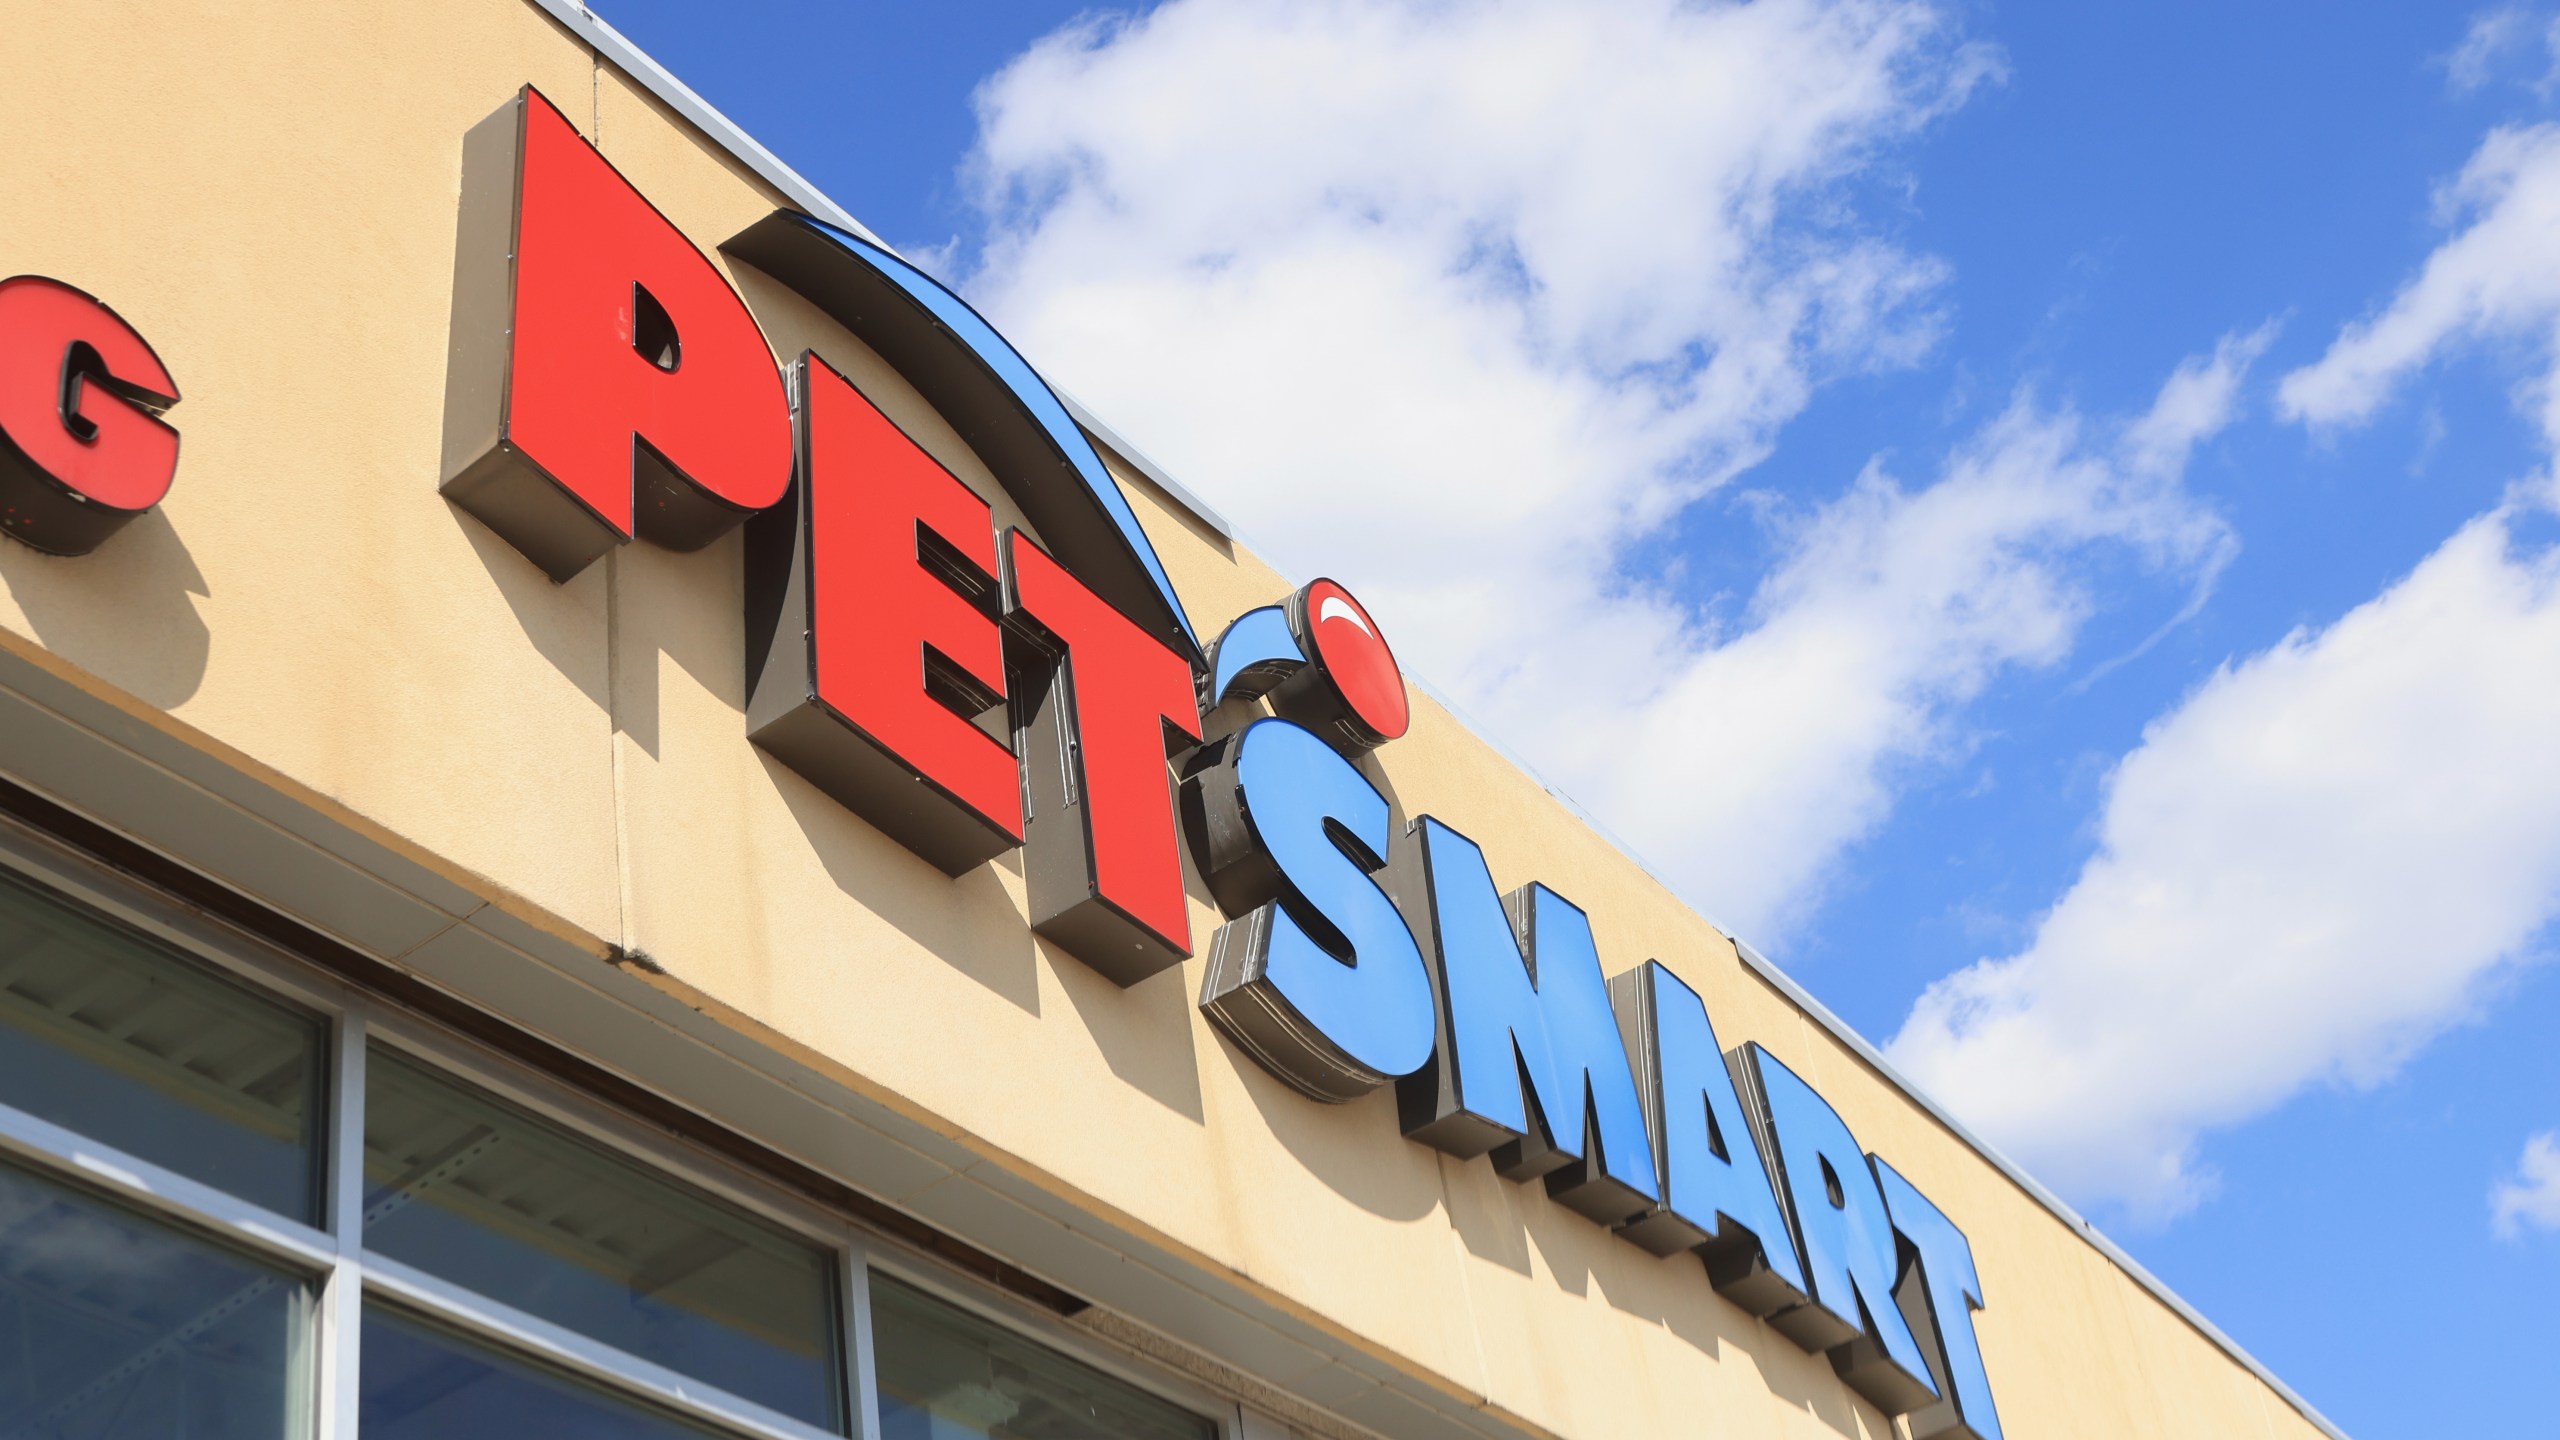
[{"x": 1345, "y": 641}]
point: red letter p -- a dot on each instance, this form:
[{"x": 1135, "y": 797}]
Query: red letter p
[{"x": 604, "y": 380}]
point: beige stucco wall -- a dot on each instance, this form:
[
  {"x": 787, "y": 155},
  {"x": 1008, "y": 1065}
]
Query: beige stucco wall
[{"x": 268, "y": 193}]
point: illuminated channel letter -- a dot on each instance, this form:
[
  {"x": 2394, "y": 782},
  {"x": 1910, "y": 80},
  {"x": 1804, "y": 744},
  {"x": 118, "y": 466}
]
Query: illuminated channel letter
[
  {"x": 1317, "y": 977},
  {"x": 1105, "y": 702},
  {"x": 871, "y": 624},
  {"x": 83, "y": 449},
  {"x": 1938, "y": 1295},
  {"x": 1253, "y": 656},
  {"x": 1529, "y": 1066},
  {"x": 1716, "y": 1189},
  {"x": 603, "y": 379},
  {"x": 1845, "y": 1237}
]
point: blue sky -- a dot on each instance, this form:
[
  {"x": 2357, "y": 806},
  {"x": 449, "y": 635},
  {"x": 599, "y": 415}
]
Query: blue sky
[{"x": 2060, "y": 496}]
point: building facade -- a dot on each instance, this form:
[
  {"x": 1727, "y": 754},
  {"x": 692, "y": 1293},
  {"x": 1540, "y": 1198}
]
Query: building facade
[{"x": 584, "y": 851}]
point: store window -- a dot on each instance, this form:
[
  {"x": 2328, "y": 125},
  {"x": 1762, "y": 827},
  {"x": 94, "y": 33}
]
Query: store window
[
  {"x": 112, "y": 1325},
  {"x": 424, "y": 1384},
  {"x": 522, "y": 1211},
  {"x": 945, "y": 1374},
  {"x": 104, "y": 1032},
  {"x": 233, "y": 1214}
]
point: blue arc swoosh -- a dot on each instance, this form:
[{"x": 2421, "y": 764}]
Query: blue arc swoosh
[{"x": 971, "y": 330}]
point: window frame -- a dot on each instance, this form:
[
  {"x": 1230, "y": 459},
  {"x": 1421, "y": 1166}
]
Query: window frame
[{"x": 345, "y": 1276}]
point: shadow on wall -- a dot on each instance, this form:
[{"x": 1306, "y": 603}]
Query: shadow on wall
[
  {"x": 684, "y": 607},
  {"x": 688, "y": 608},
  {"x": 976, "y": 925},
  {"x": 121, "y": 612},
  {"x": 1144, "y": 1032},
  {"x": 560, "y": 621},
  {"x": 970, "y": 923},
  {"x": 1357, "y": 1150}
]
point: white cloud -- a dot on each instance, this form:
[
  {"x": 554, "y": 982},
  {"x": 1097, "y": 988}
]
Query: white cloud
[
  {"x": 2319, "y": 861},
  {"x": 2491, "y": 34},
  {"x": 1463, "y": 303},
  {"x": 1754, "y": 760},
  {"x": 2493, "y": 280},
  {"x": 2532, "y": 1198}
]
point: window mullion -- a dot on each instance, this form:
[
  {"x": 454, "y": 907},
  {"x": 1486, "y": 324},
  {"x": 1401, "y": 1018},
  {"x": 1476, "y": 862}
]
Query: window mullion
[
  {"x": 342, "y": 1301},
  {"x": 341, "y": 1308},
  {"x": 346, "y": 1134},
  {"x": 862, "y": 1381}
]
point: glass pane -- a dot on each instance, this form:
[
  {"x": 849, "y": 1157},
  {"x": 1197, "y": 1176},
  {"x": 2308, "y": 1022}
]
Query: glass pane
[
  {"x": 947, "y": 1375},
  {"x": 422, "y": 1384},
  {"x": 525, "y": 1212},
  {"x": 108, "y": 1033},
  {"x": 113, "y": 1327}
]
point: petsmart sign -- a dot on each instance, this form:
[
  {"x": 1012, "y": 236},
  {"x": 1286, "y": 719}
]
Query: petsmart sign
[{"x": 971, "y": 691}]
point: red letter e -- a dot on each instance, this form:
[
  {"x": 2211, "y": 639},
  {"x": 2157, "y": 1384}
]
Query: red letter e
[{"x": 877, "y": 669}]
